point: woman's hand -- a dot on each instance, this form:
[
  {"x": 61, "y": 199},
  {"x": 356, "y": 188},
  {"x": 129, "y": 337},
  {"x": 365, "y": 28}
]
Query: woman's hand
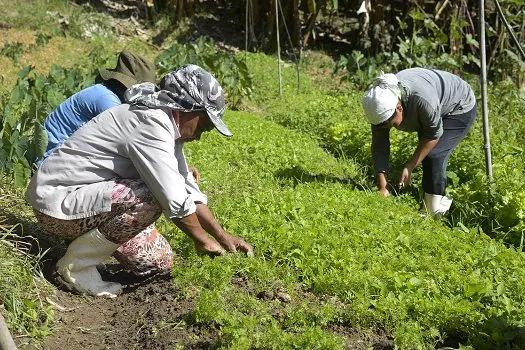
[
  {"x": 234, "y": 244},
  {"x": 210, "y": 247},
  {"x": 229, "y": 242},
  {"x": 405, "y": 178}
]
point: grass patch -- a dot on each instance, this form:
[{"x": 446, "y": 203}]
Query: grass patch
[
  {"x": 345, "y": 257},
  {"x": 22, "y": 289}
]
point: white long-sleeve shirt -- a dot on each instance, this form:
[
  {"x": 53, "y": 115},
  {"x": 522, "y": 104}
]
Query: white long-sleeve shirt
[{"x": 127, "y": 142}]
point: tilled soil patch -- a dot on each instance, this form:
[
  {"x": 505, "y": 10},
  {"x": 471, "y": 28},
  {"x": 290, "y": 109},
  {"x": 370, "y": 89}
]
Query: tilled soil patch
[{"x": 147, "y": 315}]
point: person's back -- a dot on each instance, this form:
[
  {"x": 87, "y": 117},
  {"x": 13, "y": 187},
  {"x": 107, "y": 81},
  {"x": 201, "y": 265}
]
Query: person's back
[
  {"x": 71, "y": 114},
  {"x": 74, "y": 112},
  {"x": 442, "y": 90}
]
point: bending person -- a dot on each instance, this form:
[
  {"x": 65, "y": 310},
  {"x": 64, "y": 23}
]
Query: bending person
[
  {"x": 107, "y": 184},
  {"x": 439, "y": 106}
]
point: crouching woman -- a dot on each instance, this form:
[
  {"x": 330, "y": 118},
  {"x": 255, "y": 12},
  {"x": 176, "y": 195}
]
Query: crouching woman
[{"x": 103, "y": 189}]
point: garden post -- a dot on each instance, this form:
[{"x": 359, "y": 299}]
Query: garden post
[{"x": 486, "y": 129}]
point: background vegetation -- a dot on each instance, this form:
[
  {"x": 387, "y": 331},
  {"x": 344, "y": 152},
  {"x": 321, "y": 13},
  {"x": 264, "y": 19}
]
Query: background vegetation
[
  {"x": 391, "y": 34},
  {"x": 321, "y": 234}
]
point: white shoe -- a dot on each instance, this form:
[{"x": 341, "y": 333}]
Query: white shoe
[
  {"x": 78, "y": 266},
  {"x": 436, "y": 204}
]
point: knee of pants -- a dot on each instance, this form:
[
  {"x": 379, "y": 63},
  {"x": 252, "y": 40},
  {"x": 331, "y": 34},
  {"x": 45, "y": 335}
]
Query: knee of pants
[
  {"x": 164, "y": 266},
  {"x": 159, "y": 266},
  {"x": 146, "y": 212},
  {"x": 146, "y": 264},
  {"x": 434, "y": 163},
  {"x": 146, "y": 253}
]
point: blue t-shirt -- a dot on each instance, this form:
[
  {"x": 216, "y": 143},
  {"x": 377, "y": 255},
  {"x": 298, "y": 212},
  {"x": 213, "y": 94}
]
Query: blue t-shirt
[{"x": 74, "y": 112}]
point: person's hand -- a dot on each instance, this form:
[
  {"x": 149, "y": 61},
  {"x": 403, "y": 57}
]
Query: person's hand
[
  {"x": 210, "y": 247},
  {"x": 234, "y": 244},
  {"x": 195, "y": 172},
  {"x": 384, "y": 191},
  {"x": 405, "y": 178}
]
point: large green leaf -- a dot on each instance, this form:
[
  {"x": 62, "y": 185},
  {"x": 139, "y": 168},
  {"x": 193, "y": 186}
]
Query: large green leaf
[
  {"x": 22, "y": 74},
  {"x": 56, "y": 73},
  {"x": 19, "y": 92},
  {"x": 40, "y": 85},
  {"x": 15, "y": 140},
  {"x": 3, "y": 158},
  {"x": 39, "y": 143},
  {"x": 20, "y": 174},
  {"x": 54, "y": 98}
]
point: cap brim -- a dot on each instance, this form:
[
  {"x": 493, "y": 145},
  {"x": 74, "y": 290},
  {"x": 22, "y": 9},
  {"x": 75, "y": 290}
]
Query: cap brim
[
  {"x": 127, "y": 81},
  {"x": 220, "y": 126}
]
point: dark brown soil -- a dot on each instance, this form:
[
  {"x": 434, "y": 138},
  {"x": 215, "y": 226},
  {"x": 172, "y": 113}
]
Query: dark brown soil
[{"x": 149, "y": 314}]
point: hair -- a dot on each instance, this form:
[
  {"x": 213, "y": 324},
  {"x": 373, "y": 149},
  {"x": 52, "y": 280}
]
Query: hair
[
  {"x": 116, "y": 86},
  {"x": 388, "y": 121}
]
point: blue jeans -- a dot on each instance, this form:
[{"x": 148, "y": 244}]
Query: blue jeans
[{"x": 455, "y": 128}]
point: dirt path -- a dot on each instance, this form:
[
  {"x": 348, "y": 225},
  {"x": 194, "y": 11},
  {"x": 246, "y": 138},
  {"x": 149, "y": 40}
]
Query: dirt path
[{"x": 146, "y": 316}]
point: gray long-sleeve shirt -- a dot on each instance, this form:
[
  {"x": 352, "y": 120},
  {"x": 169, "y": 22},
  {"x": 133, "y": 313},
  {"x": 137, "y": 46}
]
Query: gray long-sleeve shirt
[
  {"x": 129, "y": 142},
  {"x": 432, "y": 95}
]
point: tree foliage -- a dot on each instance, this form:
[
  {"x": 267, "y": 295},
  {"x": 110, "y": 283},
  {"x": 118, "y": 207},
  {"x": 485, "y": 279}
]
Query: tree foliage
[{"x": 445, "y": 30}]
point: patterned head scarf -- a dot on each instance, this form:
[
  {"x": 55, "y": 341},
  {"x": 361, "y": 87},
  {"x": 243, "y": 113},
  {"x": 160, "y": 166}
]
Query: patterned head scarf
[
  {"x": 379, "y": 103},
  {"x": 189, "y": 88}
]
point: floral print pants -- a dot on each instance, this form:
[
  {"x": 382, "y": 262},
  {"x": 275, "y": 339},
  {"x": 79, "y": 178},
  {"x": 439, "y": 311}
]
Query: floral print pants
[{"x": 130, "y": 223}]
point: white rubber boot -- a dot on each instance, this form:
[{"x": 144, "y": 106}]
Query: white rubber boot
[
  {"x": 79, "y": 265},
  {"x": 436, "y": 204}
]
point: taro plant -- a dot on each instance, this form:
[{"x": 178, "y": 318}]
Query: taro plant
[
  {"x": 22, "y": 136},
  {"x": 361, "y": 70}
]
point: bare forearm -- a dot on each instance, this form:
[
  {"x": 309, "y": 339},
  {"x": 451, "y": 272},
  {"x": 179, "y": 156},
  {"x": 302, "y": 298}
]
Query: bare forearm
[
  {"x": 191, "y": 226},
  {"x": 229, "y": 242},
  {"x": 423, "y": 149},
  {"x": 208, "y": 222}
]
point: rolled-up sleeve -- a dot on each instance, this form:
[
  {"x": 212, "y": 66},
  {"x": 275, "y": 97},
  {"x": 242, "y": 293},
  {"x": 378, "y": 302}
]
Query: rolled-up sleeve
[
  {"x": 151, "y": 150},
  {"x": 380, "y": 149}
]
